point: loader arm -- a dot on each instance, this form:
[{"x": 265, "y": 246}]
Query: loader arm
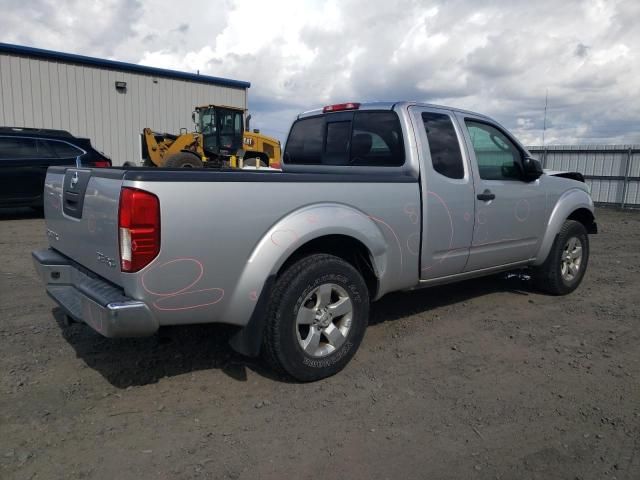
[{"x": 159, "y": 146}]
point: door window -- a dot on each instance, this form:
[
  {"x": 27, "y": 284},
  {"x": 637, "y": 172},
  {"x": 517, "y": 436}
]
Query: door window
[
  {"x": 17, "y": 147},
  {"x": 444, "y": 146},
  {"x": 498, "y": 158},
  {"x": 61, "y": 149}
]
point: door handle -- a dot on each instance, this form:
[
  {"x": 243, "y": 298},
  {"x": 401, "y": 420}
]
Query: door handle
[{"x": 486, "y": 195}]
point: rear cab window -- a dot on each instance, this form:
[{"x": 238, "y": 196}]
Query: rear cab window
[{"x": 355, "y": 138}]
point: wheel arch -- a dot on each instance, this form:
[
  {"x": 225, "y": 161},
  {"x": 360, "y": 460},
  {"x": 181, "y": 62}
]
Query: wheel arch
[
  {"x": 323, "y": 228},
  {"x": 348, "y": 248},
  {"x": 586, "y": 218},
  {"x": 574, "y": 204},
  {"x": 332, "y": 228}
]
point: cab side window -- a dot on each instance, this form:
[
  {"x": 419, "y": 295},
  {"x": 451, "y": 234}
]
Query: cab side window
[
  {"x": 498, "y": 158},
  {"x": 444, "y": 147}
]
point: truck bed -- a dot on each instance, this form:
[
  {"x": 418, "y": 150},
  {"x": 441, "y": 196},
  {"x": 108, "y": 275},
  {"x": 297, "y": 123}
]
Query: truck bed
[{"x": 223, "y": 233}]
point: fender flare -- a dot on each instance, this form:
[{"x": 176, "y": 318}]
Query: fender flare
[
  {"x": 281, "y": 241},
  {"x": 569, "y": 202}
]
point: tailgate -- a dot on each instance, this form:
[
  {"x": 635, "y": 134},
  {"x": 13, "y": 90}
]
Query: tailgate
[{"x": 81, "y": 213}]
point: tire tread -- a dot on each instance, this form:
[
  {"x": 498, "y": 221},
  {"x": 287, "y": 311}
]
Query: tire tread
[{"x": 271, "y": 341}]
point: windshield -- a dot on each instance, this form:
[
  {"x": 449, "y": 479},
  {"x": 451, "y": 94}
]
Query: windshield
[{"x": 207, "y": 120}]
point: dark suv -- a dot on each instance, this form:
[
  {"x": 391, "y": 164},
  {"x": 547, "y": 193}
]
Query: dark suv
[{"x": 25, "y": 155}]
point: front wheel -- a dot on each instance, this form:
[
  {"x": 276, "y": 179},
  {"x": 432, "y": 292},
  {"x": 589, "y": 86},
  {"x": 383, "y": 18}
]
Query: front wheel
[
  {"x": 183, "y": 160},
  {"x": 565, "y": 266},
  {"x": 317, "y": 316}
]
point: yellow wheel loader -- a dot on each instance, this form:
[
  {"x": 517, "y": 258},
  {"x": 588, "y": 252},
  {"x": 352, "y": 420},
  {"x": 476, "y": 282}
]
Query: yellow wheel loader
[{"x": 220, "y": 140}]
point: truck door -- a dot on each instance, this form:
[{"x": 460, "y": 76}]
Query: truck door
[
  {"x": 510, "y": 212},
  {"x": 447, "y": 193}
]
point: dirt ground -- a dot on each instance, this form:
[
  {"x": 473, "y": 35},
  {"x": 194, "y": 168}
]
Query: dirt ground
[{"x": 484, "y": 379}]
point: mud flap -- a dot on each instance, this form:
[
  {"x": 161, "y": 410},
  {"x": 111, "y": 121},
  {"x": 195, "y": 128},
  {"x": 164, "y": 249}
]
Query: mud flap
[{"x": 248, "y": 340}]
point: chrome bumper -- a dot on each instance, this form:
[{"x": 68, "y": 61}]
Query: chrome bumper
[{"x": 89, "y": 299}]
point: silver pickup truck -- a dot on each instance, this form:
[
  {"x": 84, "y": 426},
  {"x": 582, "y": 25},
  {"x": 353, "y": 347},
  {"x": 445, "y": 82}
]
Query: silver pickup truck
[{"x": 373, "y": 198}]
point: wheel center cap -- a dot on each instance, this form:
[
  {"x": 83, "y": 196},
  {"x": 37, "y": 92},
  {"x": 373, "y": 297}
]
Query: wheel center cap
[{"x": 323, "y": 318}]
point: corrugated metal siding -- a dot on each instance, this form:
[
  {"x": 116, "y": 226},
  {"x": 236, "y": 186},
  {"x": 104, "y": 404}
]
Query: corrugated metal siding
[
  {"x": 83, "y": 100},
  {"x": 612, "y": 171}
]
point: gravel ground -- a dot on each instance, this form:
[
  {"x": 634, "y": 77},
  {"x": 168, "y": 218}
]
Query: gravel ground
[{"x": 484, "y": 379}]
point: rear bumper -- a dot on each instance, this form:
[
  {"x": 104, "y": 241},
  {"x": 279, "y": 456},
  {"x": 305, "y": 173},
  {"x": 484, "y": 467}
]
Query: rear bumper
[{"x": 89, "y": 299}]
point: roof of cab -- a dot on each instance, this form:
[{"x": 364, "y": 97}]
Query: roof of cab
[{"x": 389, "y": 106}]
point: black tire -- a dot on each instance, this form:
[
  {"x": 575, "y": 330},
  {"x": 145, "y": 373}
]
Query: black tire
[
  {"x": 183, "y": 160},
  {"x": 39, "y": 210},
  {"x": 281, "y": 344},
  {"x": 549, "y": 277}
]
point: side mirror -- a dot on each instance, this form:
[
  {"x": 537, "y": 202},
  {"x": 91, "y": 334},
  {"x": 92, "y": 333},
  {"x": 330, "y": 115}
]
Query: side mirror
[
  {"x": 532, "y": 169},
  {"x": 193, "y": 116}
]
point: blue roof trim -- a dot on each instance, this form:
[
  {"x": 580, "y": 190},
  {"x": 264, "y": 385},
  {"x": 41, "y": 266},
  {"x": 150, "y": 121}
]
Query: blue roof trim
[{"x": 115, "y": 65}]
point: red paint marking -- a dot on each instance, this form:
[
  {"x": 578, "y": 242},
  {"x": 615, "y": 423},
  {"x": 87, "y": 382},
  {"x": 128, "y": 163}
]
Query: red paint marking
[
  {"x": 158, "y": 304},
  {"x": 394, "y": 234},
  {"x": 410, "y": 210},
  {"x": 375, "y": 219},
  {"x": 409, "y": 247},
  {"x": 450, "y": 249},
  {"x": 290, "y": 236},
  {"x": 521, "y": 202},
  {"x": 180, "y": 290}
]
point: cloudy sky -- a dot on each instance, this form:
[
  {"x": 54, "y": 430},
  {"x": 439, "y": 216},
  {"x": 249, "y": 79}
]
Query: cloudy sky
[{"x": 496, "y": 57}]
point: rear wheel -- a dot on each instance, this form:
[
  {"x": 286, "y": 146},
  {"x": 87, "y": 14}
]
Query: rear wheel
[
  {"x": 317, "y": 316},
  {"x": 565, "y": 266},
  {"x": 183, "y": 160}
]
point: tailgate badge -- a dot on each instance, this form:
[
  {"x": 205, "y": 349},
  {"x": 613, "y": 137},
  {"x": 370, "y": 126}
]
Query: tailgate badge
[
  {"x": 53, "y": 235},
  {"x": 74, "y": 179},
  {"x": 102, "y": 258}
]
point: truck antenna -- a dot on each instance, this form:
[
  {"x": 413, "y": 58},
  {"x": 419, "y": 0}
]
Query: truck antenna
[{"x": 544, "y": 123}]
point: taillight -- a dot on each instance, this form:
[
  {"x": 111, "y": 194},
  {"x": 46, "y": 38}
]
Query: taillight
[
  {"x": 338, "y": 107},
  {"x": 101, "y": 164},
  {"x": 139, "y": 228}
]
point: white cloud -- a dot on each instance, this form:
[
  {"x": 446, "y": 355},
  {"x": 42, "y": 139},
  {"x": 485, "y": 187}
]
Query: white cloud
[{"x": 496, "y": 57}]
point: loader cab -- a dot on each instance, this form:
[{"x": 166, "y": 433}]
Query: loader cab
[{"x": 221, "y": 129}]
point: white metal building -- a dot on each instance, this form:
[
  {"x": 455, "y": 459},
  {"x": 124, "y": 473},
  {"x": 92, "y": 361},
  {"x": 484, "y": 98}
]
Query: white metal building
[{"x": 107, "y": 101}]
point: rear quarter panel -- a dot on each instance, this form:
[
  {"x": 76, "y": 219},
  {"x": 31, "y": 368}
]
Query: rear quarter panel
[{"x": 222, "y": 240}]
